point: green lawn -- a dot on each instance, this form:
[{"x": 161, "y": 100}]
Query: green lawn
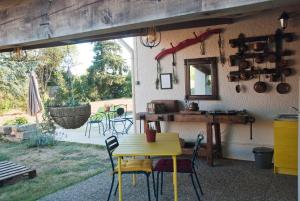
[{"x": 57, "y": 167}]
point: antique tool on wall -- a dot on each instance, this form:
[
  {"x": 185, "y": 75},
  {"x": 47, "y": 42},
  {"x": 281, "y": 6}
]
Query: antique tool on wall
[
  {"x": 221, "y": 49},
  {"x": 158, "y": 71},
  {"x": 183, "y": 44},
  {"x": 175, "y": 81},
  {"x": 187, "y": 43}
]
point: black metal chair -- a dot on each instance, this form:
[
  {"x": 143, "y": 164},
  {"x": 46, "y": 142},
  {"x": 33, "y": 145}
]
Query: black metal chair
[
  {"x": 131, "y": 166},
  {"x": 183, "y": 166},
  {"x": 100, "y": 119},
  {"x": 119, "y": 119}
]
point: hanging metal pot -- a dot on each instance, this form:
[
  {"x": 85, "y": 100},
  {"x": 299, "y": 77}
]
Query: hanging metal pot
[
  {"x": 244, "y": 64},
  {"x": 260, "y": 87},
  {"x": 259, "y": 46},
  {"x": 287, "y": 71},
  {"x": 272, "y": 58},
  {"x": 283, "y": 88},
  {"x": 259, "y": 59}
]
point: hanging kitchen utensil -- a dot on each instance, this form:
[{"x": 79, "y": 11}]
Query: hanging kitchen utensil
[
  {"x": 260, "y": 87},
  {"x": 274, "y": 77},
  {"x": 272, "y": 58},
  {"x": 282, "y": 63},
  {"x": 244, "y": 64},
  {"x": 202, "y": 48},
  {"x": 175, "y": 80},
  {"x": 245, "y": 75},
  {"x": 238, "y": 87},
  {"x": 221, "y": 49},
  {"x": 158, "y": 71},
  {"x": 283, "y": 88},
  {"x": 287, "y": 72},
  {"x": 259, "y": 59}
]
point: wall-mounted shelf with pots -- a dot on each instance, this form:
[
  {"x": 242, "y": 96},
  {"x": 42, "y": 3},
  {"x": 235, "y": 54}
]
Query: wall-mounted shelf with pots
[{"x": 258, "y": 50}]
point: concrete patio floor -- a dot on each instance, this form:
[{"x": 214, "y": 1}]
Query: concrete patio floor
[
  {"x": 230, "y": 180},
  {"x": 78, "y": 135}
]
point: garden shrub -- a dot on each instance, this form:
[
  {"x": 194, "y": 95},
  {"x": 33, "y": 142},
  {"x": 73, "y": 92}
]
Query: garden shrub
[
  {"x": 41, "y": 140},
  {"x": 16, "y": 122}
]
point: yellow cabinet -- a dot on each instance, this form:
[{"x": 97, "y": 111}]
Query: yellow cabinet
[{"x": 286, "y": 147}]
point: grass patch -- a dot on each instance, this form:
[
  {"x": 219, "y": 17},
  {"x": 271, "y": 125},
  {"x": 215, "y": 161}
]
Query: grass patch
[{"x": 57, "y": 167}]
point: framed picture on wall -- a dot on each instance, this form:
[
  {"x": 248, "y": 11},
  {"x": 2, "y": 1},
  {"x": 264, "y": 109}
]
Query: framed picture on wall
[{"x": 166, "y": 81}]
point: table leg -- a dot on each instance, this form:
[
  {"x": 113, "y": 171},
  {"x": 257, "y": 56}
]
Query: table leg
[
  {"x": 175, "y": 178},
  {"x": 209, "y": 146},
  {"x": 133, "y": 176},
  {"x": 120, "y": 178}
]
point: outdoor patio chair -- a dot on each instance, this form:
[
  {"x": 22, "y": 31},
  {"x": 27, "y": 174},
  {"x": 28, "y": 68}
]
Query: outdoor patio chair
[
  {"x": 183, "y": 166},
  {"x": 129, "y": 166},
  {"x": 100, "y": 119},
  {"x": 119, "y": 120}
]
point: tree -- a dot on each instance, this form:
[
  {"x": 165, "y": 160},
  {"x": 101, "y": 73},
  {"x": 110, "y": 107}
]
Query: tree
[
  {"x": 51, "y": 65},
  {"x": 106, "y": 76},
  {"x": 14, "y": 80}
]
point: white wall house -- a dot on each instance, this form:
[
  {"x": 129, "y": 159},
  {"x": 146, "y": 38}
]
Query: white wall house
[{"x": 264, "y": 107}]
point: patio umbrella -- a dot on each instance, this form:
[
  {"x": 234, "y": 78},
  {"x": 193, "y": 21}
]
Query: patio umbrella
[{"x": 34, "y": 100}]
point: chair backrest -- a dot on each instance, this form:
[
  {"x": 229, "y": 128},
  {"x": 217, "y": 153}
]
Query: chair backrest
[
  {"x": 111, "y": 144},
  {"x": 200, "y": 137},
  {"x": 121, "y": 110},
  {"x": 99, "y": 116}
]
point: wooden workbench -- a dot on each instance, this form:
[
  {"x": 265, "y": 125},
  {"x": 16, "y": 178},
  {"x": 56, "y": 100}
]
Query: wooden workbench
[{"x": 212, "y": 121}]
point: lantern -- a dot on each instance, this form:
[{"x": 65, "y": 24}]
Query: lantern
[
  {"x": 152, "y": 37},
  {"x": 283, "y": 19}
]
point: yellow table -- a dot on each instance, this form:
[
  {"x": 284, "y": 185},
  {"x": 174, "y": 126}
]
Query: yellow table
[{"x": 167, "y": 144}]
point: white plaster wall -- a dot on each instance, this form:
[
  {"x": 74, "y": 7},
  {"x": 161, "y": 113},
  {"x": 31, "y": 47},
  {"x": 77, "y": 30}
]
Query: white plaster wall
[{"x": 235, "y": 138}]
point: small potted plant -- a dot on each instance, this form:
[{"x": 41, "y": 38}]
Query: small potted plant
[
  {"x": 107, "y": 107},
  {"x": 150, "y": 134}
]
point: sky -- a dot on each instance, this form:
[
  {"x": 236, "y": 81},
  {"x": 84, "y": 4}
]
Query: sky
[{"x": 85, "y": 54}]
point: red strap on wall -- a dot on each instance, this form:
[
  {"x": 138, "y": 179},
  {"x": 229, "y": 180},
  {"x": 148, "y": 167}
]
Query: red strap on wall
[{"x": 188, "y": 42}]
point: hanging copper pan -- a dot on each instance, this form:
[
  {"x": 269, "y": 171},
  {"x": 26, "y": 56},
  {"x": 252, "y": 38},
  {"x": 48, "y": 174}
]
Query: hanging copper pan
[
  {"x": 260, "y": 87},
  {"x": 283, "y": 88}
]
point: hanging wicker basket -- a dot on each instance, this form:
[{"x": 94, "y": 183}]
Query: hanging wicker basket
[{"x": 71, "y": 117}]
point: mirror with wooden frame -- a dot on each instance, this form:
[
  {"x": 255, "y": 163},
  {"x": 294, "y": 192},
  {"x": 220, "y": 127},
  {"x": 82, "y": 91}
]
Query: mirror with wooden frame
[{"x": 201, "y": 78}]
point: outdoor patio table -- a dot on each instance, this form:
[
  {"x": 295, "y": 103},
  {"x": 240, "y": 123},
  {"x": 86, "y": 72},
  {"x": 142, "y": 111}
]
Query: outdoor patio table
[{"x": 167, "y": 144}]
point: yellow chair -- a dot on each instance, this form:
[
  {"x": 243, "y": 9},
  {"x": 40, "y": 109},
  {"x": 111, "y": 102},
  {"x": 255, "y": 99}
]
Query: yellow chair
[{"x": 132, "y": 166}]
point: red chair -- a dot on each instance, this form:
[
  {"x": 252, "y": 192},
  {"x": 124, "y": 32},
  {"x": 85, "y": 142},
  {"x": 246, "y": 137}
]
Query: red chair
[{"x": 183, "y": 166}]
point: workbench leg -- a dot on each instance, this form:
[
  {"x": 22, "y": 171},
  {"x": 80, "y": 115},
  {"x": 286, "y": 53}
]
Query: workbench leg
[
  {"x": 146, "y": 125},
  {"x": 209, "y": 145},
  {"x": 218, "y": 139},
  {"x": 157, "y": 125},
  {"x": 120, "y": 178},
  {"x": 175, "y": 178}
]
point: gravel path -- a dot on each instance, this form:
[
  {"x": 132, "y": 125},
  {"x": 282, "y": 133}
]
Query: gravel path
[{"x": 229, "y": 181}]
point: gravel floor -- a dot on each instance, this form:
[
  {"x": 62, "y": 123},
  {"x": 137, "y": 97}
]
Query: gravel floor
[{"x": 229, "y": 180}]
